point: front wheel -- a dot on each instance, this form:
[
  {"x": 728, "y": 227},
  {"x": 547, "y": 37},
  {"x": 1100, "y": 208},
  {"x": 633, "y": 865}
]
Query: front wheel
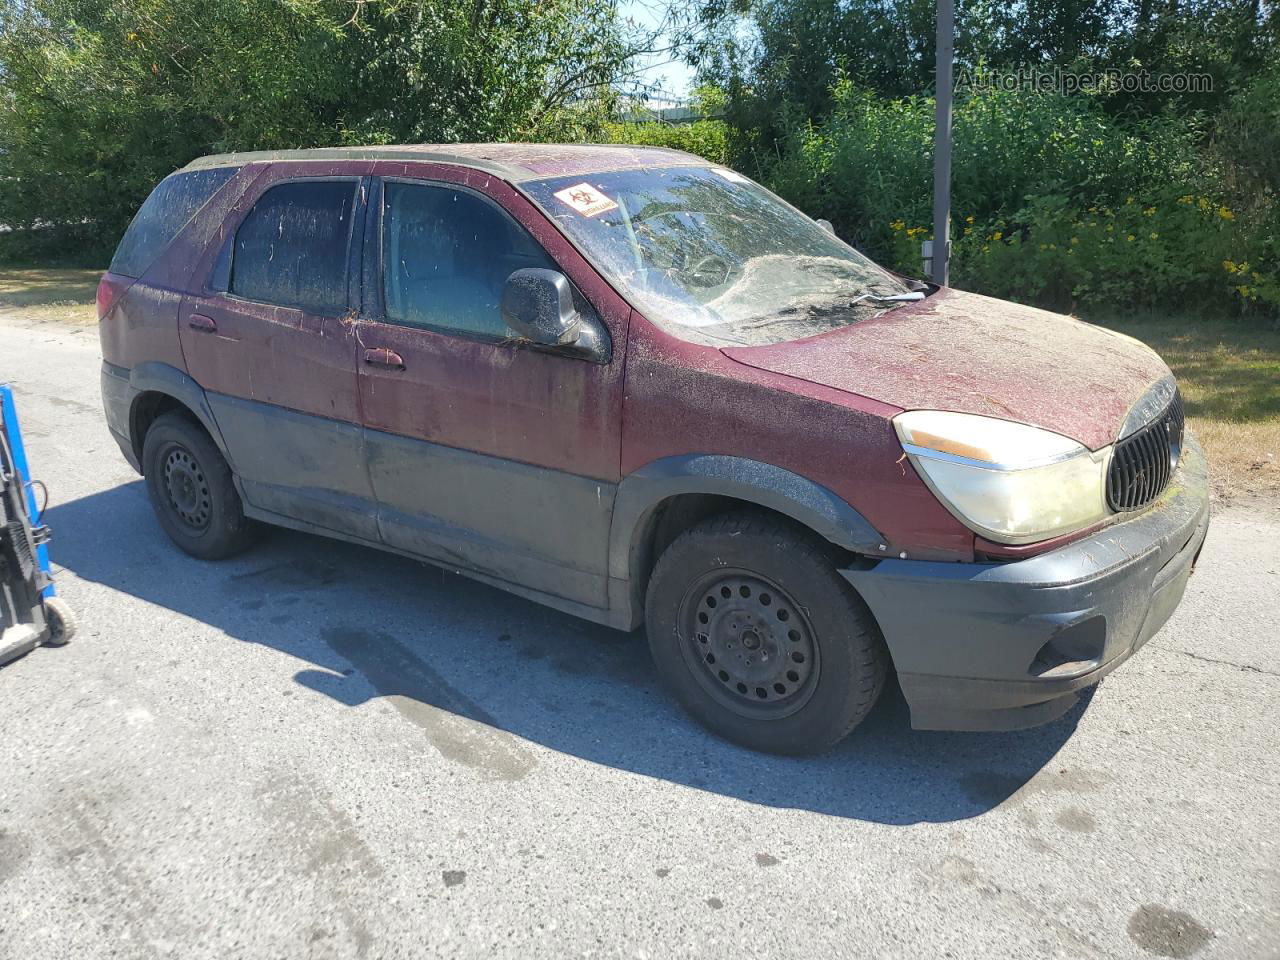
[{"x": 760, "y": 638}]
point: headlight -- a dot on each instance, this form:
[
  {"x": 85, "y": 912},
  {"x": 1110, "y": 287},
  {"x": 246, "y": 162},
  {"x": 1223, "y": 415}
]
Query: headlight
[{"x": 1006, "y": 481}]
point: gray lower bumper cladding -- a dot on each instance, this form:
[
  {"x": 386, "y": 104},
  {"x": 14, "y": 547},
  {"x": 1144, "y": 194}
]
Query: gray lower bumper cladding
[{"x": 1002, "y": 646}]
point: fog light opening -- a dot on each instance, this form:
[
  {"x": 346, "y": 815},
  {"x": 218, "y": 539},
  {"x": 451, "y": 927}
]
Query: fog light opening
[{"x": 1072, "y": 650}]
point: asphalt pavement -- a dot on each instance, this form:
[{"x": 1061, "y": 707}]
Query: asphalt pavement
[{"x": 320, "y": 750}]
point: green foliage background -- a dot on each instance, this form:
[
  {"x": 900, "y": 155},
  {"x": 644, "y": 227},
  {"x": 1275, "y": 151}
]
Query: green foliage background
[
  {"x": 1055, "y": 200},
  {"x": 1131, "y": 200},
  {"x": 100, "y": 99},
  {"x": 1125, "y": 198}
]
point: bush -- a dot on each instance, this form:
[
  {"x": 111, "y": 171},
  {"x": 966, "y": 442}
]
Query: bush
[
  {"x": 1184, "y": 249},
  {"x": 55, "y": 245},
  {"x": 706, "y": 138},
  {"x": 1176, "y": 249},
  {"x": 1054, "y": 201}
]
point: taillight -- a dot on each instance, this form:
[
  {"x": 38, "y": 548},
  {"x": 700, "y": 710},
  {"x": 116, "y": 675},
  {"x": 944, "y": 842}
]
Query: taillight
[{"x": 108, "y": 290}]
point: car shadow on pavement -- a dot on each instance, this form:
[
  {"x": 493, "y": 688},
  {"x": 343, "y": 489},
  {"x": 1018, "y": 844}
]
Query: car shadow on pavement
[{"x": 439, "y": 646}]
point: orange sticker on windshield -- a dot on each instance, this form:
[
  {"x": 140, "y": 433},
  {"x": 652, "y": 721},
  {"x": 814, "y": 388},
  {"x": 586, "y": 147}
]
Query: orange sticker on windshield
[{"x": 586, "y": 199}]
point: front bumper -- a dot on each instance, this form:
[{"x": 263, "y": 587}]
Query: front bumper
[{"x": 1002, "y": 646}]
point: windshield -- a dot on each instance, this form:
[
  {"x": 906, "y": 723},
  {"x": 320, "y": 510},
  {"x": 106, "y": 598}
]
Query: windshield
[{"x": 714, "y": 258}]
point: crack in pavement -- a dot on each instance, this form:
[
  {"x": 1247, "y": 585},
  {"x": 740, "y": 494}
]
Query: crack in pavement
[{"x": 1224, "y": 663}]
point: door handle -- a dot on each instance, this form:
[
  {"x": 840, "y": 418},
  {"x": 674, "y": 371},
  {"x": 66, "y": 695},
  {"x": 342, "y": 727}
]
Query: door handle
[
  {"x": 382, "y": 357},
  {"x": 198, "y": 321}
]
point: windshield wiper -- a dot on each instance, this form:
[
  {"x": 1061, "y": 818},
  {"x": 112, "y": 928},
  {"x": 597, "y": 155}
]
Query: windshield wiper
[{"x": 894, "y": 298}]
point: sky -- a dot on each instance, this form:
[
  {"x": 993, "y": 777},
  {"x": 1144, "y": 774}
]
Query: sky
[{"x": 675, "y": 79}]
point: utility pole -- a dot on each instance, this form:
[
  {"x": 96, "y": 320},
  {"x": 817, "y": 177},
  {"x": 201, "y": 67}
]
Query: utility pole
[{"x": 941, "y": 249}]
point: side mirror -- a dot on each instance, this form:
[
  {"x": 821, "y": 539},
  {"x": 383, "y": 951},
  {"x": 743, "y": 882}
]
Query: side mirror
[
  {"x": 826, "y": 225},
  {"x": 538, "y": 305}
]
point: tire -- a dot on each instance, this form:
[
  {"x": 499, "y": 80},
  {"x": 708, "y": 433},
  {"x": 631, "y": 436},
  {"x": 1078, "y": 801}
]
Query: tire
[
  {"x": 760, "y": 638},
  {"x": 60, "y": 621},
  {"x": 191, "y": 489}
]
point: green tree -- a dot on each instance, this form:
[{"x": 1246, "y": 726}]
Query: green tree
[
  {"x": 99, "y": 99},
  {"x": 785, "y": 56}
]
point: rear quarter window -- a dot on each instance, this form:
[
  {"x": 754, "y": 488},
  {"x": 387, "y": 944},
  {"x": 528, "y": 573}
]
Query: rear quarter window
[{"x": 170, "y": 207}]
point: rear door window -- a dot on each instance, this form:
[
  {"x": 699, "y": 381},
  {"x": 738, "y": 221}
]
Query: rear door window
[
  {"x": 170, "y": 207},
  {"x": 294, "y": 247},
  {"x": 446, "y": 256}
]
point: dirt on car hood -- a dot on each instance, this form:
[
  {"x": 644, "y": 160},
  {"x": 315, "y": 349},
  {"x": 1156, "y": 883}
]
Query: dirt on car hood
[{"x": 973, "y": 354}]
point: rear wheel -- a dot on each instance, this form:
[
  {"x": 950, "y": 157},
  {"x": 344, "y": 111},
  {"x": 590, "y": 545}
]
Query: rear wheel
[
  {"x": 760, "y": 638},
  {"x": 191, "y": 489}
]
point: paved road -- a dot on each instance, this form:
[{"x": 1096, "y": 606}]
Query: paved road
[{"x": 320, "y": 750}]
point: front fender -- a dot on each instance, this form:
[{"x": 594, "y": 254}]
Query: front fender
[{"x": 787, "y": 493}]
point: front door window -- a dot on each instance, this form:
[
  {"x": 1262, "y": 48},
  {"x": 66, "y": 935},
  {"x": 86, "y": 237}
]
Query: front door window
[{"x": 446, "y": 256}]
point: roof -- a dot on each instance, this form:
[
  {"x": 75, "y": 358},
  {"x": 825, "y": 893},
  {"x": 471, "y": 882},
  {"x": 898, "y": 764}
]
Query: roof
[{"x": 512, "y": 161}]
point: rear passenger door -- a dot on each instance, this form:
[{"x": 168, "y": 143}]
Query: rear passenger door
[
  {"x": 482, "y": 453},
  {"x": 270, "y": 338}
]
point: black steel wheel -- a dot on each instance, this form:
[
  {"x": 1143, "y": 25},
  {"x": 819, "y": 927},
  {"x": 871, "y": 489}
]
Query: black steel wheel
[
  {"x": 750, "y": 644},
  {"x": 192, "y": 490},
  {"x": 760, "y": 638},
  {"x": 186, "y": 487}
]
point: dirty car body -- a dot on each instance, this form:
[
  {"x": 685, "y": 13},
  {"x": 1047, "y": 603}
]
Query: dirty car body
[{"x": 567, "y": 371}]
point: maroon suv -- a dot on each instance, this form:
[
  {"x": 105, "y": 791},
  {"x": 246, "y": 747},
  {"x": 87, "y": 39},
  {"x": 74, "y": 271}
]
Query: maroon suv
[{"x": 642, "y": 389}]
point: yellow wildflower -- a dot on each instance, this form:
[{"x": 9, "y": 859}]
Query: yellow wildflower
[
  {"x": 1074, "y": 241},
  {"x": 1130, "y": 238},
  {"x": 997, "y": 235},
  {"x": 1242, "y": 290},
  {"x": 1229, "y": 266},
  {"x": 968, "y": 219},
  {"x": 1226, "y": 214},
  {"x": 1149, "y": 212},
  {"x": 897, "y": 225},
  {"x": 1155, "y": 236}
]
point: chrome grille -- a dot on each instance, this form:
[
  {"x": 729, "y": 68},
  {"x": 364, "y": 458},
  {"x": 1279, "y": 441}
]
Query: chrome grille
[{"x": 1143, "y": 462}]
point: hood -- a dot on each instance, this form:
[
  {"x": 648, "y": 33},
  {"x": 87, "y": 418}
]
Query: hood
[{"x": 974, "y": 354}]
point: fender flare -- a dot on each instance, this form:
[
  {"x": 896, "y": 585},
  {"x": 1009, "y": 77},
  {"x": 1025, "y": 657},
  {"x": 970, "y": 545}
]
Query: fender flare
[
  {"x": 811, "y": 504},
  {"x": 156, "y": 377}
]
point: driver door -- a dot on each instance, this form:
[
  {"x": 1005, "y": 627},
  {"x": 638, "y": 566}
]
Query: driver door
[{"x": 482, "y": 453}]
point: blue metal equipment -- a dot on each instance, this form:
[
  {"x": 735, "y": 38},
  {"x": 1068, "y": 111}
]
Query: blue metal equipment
[{"x": 30, "y": 613}]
